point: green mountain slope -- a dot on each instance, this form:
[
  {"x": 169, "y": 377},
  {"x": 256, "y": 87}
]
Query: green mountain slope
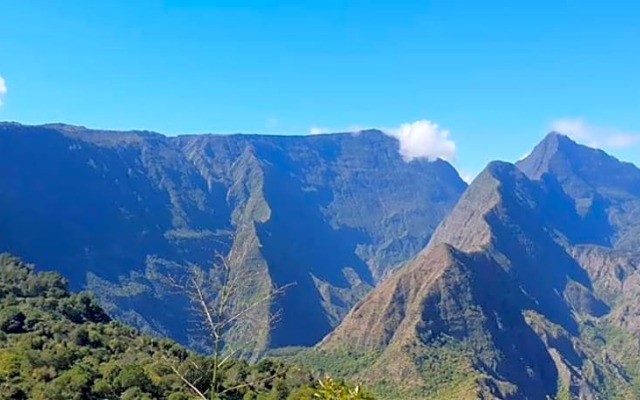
[
  {"x": 56, "y": 345},
  {"x": 524, "y": 292},
  {"x": 113, "y": 210}
]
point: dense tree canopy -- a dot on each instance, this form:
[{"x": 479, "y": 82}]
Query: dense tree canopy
[{"x": 59, "y": 345}]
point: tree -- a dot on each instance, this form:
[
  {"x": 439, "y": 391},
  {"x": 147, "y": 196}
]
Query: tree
[
  {"x": 60, "y": 346},
  {"x": 331, "y": 389},
  {"x": 232, "y": 311},
  {"x": 12, "y": 320}
]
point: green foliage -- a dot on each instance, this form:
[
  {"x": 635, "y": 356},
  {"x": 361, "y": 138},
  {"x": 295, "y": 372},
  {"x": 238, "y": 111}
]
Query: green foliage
[
  {"x": 564, "y": 392},
  {"x": 12, "y": 320},
  {"x": 345, "y": 363},
  {"x": 55, "y": 345},
  {"x": 335, "y": 390},
  {"x": 446, "y": 368},
  {"x": 619, "y": 373}
]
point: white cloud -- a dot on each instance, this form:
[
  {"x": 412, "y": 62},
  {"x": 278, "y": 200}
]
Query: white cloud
[
  {"x": 423, "y": 139},
  {"x": 595, "y": 136},
  {"x": 3, "y": 88},
  {"x": 419, "y": 139},
  {"x": 317, "y": 130},
  {"x": 467, "y": 175}
]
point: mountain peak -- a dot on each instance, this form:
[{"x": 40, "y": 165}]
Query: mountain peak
[
  {"x": 602, "y": 187},
  {"x": 558, "y": 138},
  {"x": 498, "y": 169},
  {"x": 498, "y": 280},
  {"x": 581, "y": 168},
  {"x": 539, "y": 161},
  {"x": 555, "y": 135},
  {"x": 388, "y": 314}
]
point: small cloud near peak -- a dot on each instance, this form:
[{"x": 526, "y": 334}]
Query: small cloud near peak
[
  {"x": 423, "y": 139},
  {"x": 467, "y": 175},
  {"x": 317, "y": 130},
  {"x": 419, "y": 139},
  {"x": 595, "y": 136}
]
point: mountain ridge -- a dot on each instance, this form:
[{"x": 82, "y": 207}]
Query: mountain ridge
[
  {"x": 332, "y": 213},
  {"x": 527, "y": 290}
]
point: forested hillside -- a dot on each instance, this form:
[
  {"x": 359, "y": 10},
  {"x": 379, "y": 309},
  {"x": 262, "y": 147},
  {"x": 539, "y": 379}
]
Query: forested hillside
[{"x": 57, "y": 345}]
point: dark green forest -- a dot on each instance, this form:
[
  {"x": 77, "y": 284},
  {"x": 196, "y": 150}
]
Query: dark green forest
[{"x": 55, "y": 344}]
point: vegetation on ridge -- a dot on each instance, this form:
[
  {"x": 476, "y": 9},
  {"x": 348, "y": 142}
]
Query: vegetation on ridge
[{"x": 56, "y": 345}]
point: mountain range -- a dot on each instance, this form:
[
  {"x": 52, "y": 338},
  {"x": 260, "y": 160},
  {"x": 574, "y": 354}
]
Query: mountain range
[
  {"x": 523, "y": 285},
  {"x": 528, "y": 289},
  {"x": 329, "y": 215}
]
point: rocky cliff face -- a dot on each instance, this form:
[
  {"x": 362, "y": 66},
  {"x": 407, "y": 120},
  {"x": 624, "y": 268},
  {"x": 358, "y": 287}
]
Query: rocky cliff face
[
  {"x": 527, "y": 290},
  {"x": 113, "y": 210}
]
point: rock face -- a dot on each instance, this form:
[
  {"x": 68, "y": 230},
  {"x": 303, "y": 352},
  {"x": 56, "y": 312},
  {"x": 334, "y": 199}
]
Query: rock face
[
  {"x": 331, "y": 213},
  {"x": 528, "y": 289}
]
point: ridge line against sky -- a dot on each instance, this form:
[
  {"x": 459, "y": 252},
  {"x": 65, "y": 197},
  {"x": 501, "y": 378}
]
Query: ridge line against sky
[
  {"x": 495, "y": 76},
  {"x": 426, "y": 140}
]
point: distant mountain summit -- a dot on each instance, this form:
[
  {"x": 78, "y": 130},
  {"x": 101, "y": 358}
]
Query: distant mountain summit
[
  {"x": 113, "y": 210},
  {"x": 567, "y": 160},
  {"x": 602, "y": 187},
  {"x": 525, "y": 291}
]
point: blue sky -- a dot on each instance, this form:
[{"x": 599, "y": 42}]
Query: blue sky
[{"x": 495, "y": 74}]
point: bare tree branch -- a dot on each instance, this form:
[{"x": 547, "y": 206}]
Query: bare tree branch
[
  {"x": 186, "y": 381},
  {"x": 227, "y": 307}
]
